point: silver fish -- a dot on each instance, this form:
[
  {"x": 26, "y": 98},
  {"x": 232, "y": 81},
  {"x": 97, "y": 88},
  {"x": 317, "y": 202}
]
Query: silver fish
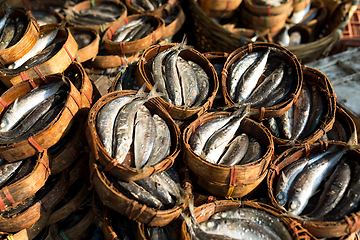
[
  {"x": 298, "y": 16},
  {"x": 42, "y": 43},
  {"x": 203, "y": 84},
  {"x": 236, "y": 150},
  {"x": 144, "y": 136},
  {"x": 188, "y": 82},
  {"x": 172, "y": 78},
  {"x": 253, "y": 153},
  {"x": 120, "y": 33},
  {"x": 162, "y": 142},
  {"x": 217, "y": 142},
  {"x": 260, "y": 217},
  {"x": 26, "y": 103},
  {"x": 272, "y": 125},
  {"x": 250, "y": 78},
  {"x": 306, "y": 183},
  {"x": 285, "y": 123}
]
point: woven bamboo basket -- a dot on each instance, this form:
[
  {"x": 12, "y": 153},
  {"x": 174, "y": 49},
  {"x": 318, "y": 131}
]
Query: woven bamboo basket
[
  {"x": 100, "y": 29},
  {"x": 219, "y": 8},
  {"x": 51, "y": 134},
  {"x": 15, "y": 193},
  {"x": 79, "y": 169},
  {"x": 143, "y": 75},
  {"x": 30, "y": 232},
  {"x": 121, "y": 171},
  {"x": 320, "y": 229},
  {"x": 28, "y": 217},
  {"x": 135, "y": 211},
  {"x": 27, "y": 41},
  {"x": 71, "y": 146},
  {"x": 78, "y": 230},
  {"x": 314, "y": 77},
  {"x": 175, "y": 25},
  {"x": 132, "y": 47},
  {"x": 263, "y": 10},
  {"x": 104, "y": 61},
  {"x": 285, "y": 56},
  {"x": 77, "y": 75},
  {"x": 68, "y": 206},
  {"x": 348, "y": 123},
  {"x": 90, "y": 51},
  {"x": 166, "y": 7},
  {"x": 228, "y": 181},
  {"x": 204, "y": 212},
  {"x": 57, "y": 64}
]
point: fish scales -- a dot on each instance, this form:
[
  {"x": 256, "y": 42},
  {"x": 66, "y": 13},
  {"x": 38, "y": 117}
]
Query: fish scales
[
  {"x": 236, "y": 150},
  {"x": 285, "y": 123},
  {"x": 144, "y": 136},
  {"x": 188, "y": 82},
  {"x": 272, "y": 125},
  {"x": 250, "y": 78},
  {"x": 203, "y": 84},
  {"x": 172, "y": 78},
  {"x": 301, "y": 111}
]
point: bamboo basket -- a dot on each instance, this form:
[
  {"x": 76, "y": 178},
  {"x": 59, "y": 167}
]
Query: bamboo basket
[
  {"x": 71, "y": 205},
  {"x": 287, "y": 57},
  {"x": 79, "y": 229},
  {"x": 263, "y": 23},
  {"x": 70, "y": 150},
  {"x": 204, "y": 212},
  {"x": 100, "y": 29},
  {"x": 105, "y": 61},
  {"x": 121, "y": 171},
  {"x": 51, "y": 134},
  {"x": 90, "y": 51},
  {"x": 171, "y": 29},
  {"x": 347, "y": 122},
  {"x": 320, "y": 229},
  {"x": 143, "y": 75},
  {"x": 219, "y": 8},
  {"x": 27, "y": 41},
  {"x": 80, "y": 168},
  {"x": 135, "y": 211},
  {"x": 133, "y": 47},
  {"x": 228, "y": 181},
  {"x": 57, "y": 64},
  {"x": 263, "y": 10},
  {"x": 83, "y": 84},
  {"x": 33, "y": 213},
  {"x": 166, "y": 7},
  {"x": 30, "y": 232},
  {"x": 15, "y": 193},
  {"x": 314, "y": 77}
]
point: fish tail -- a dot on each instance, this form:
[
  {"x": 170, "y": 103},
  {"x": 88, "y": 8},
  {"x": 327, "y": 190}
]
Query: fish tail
[
  {"x": 141, "y": 91},
  {"x": 154, "y": 93},
  {"x": 7, "y": 9},
  {"x": 353, "y": 138}
]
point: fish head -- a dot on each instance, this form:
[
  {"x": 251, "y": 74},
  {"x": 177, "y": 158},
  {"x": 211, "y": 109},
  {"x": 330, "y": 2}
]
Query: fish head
[
  {"x": 281, "y": 198},
  {"x": 295, "y": 206},
  {"x": 4, "y": 124}
]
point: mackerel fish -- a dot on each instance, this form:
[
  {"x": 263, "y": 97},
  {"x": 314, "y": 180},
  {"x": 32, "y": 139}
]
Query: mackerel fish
[
  {"x": 189, "y": 88},
  {"x": 236, "y": 150},
  {"x": 203, "y": 84},
  {"x": 253, "y": 153}
]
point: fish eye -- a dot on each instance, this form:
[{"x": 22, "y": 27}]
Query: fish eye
[
  {"x": 294, "y": 204},
  {"x": 281, "y": 199},
  {"x": 4, "y": 122}
]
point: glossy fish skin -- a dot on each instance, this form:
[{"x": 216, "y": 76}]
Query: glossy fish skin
[
  {"x": 289, "y": 174},
  {"x": 7, "y": 170},
  {"x": 43, "y": 42},
  {"x": 169, "y": 184},
  {"x": 260, "y": 217},
  {"x": 105, "y": 120},
  {"x": 267, "y": 86},
  {"x": 350, "y": 201},
  {"x": 144, "y": 136},
  {"x": 121, "y": 32},
  {"x": 250, "y": 78},
  {"x": 215, "y": 145},
  {"x": 30, "y": 119},
  {"x": 272, "y": 125},
  {"x": 238, "y": 68},
  {"x": 301, "y": 111},
  {"x": 26, "y": 103},
  {"x": 236, "y": 150},
  {"x": 172, "y": 78},
  {"x": 135, "y": 191},
  {"x": 7, "y": 11},
  {"x": 43, "y": 17},
  {"x": 126, "y": 79},
  {"x": 7, "y": 33},
  {"x": 309, "y": 180},
  {"x": 188, "y": 82},
  {"x": 285, "y": 123},
  {"x": 20, "y": 26},
  {"x": 316, "y": 111},
  {"x": 337, "y": 132},
  {"x": 238, "y": 229},
  {"x": 253, "y": 153},
  {"x": 298, "y": 16},
  {"x": 203, "y": 132},
  {"x": 157, "y": 190},
  {"x": 203, "y": 84},
  {"x": 333, "y": 191},
  {"x": 25, "y": 168},
  {"x": 162, "y": 143}
]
